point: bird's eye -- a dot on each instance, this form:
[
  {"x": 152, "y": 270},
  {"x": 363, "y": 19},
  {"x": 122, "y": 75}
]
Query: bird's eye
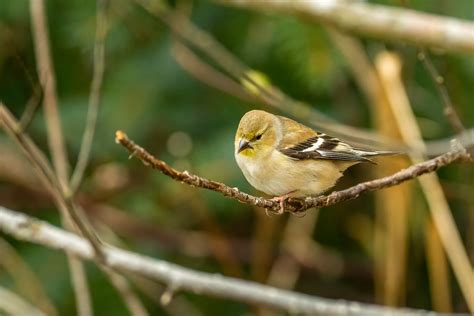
[{"x": 258, "y": 137}]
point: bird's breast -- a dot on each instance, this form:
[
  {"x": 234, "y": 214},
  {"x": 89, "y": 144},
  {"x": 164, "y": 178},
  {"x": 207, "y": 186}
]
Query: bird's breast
[{"x": 279, "y": 175}]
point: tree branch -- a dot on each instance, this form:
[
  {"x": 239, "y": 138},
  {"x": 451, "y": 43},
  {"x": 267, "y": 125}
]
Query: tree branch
[
  {"x": 94, "y": 96},
  {"x": 39, "y": 25},
  {"x": 292, "y": 205},
  {"x": 71, "y": 215},
  {"x": 378, "y": 21},
  {"x": 438, "y": 80},
  {"x": 65, "y": 204},
  {"x": 30, "y": 229}
]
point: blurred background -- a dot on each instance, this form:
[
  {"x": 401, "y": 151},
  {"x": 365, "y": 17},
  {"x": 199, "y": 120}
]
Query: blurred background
[{"x": 380, "y": 248}]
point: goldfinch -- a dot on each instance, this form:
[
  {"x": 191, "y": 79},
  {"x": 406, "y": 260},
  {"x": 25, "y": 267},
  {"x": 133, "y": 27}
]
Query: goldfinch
[{"x": 284, "y": 158}]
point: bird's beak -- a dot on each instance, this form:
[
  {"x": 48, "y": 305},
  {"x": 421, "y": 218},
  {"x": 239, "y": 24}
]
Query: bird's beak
[{"x": 243, "y": 144}]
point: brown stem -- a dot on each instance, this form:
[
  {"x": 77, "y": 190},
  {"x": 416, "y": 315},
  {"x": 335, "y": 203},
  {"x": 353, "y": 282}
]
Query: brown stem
[{"x": 291, "y": 205}]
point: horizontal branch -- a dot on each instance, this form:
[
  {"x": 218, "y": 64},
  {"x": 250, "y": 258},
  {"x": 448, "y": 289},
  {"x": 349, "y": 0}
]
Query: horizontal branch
[
  {"x": 378, "y": 21},
  {"x": 27, "y": 228},
  {"x": 292, "y": 205}
]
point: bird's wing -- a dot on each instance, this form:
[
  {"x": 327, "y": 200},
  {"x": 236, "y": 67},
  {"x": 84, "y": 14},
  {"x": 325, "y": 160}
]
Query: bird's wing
[{"x": 300, "y": 142}]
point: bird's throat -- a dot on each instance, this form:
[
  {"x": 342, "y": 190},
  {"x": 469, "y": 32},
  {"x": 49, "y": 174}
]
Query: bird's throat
[{"x": 247, "y": 152}]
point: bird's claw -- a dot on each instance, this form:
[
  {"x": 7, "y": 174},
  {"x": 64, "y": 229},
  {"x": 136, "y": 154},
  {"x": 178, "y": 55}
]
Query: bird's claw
[{"x": 281, "y": 200}]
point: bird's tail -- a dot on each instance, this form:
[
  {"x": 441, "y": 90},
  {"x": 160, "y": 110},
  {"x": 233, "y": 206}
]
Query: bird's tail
[
  {"x": 374, "y": 153},
  {"x": 368, "y": 154}
]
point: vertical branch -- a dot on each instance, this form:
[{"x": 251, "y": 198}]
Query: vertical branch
[
  {"x": 390, "y": 235},
  {"x": 48, "y": 82},
  {"x": 67, "y": 211},
  {"x": 131, "y": 300},
  {"x": 94, "y": 96},
  {"x": 58, "y": 152},
  {"x": 438, "y": 80},
  {"x": 31, "y": 107},
  {"x": 56, "y": 143},
  {"x": 35, "y": 99},
  {"x": 81, "y": 286},
  {"x": 389, "y": 67}
]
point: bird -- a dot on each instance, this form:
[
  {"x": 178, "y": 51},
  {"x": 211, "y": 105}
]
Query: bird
[{"x": 286, "y": 159}]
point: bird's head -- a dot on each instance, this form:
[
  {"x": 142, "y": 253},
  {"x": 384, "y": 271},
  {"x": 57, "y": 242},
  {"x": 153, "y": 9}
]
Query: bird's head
[{"x": 256, "y": 135}]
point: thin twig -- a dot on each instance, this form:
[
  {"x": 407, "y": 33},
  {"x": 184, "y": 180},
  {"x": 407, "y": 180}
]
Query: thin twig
[
  {"x": 27, "y": 228},
  {"x": 376, "y": 21},
  {"x": 34, "y": 101},
  {"x": 69, "y": 211},
  {"x": 31, "y": 107},
  {"x": 121, "y": 284},
  {"x": 80, "y": 283},
  {"x": 207, "y": 74},
  {"x": 48, "y": 82},
  {"x": 438, "y": 80},
  {"x": 46, "y": 174},
  {"x": 291, "y": 205},
  {"x": 94, "y": 96},
  {"x": 56, "y": 144}
]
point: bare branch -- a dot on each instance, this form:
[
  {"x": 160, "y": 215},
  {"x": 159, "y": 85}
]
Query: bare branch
[
  {"x": 39, "y": 24},
  {"x": 69, "y": 211},
  {"x": 207, "y": 74},
  {"x": 35, "y": 99},
  {"x": 292, "y": 205},
  {"x": 94, "y": 96},
  {"x": 131, "y": 300},
  {"x": 30, "y": 229},
  {"x": 378, "y": 21},
  {"x": 56, "y": 143},
  {"x": 438, "y": 80},
  {"x": 49, "y": 179},
  {"x": 80, "y": 284},
  {"x": 31, "y": 107}
]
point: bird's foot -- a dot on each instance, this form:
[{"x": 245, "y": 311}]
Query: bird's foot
[{"x": 281, "y": 200}]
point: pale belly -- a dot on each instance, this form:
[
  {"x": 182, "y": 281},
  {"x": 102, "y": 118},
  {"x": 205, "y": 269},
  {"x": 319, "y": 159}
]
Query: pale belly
[{"x": 277, "y": 176}]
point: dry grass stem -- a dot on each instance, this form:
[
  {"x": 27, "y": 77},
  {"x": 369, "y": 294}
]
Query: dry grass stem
[{"x": 389, "y": 67}]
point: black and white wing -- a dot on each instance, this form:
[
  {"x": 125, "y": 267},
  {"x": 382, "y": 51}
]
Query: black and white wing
[{"x": 326, "y": 147}]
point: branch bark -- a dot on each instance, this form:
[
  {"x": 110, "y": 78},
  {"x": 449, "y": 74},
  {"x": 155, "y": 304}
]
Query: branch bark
[
  {"x": 378, "y": 21},
  {"x": 30, "y": 229},
  {"x": 292, "y": 205}
]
